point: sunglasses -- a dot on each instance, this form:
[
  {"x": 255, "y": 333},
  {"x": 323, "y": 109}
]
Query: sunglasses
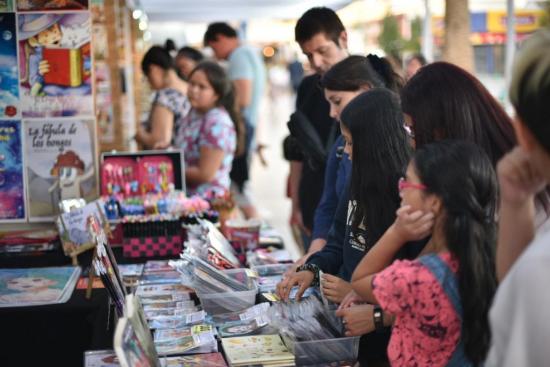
[{"x": 404, "y": 184}]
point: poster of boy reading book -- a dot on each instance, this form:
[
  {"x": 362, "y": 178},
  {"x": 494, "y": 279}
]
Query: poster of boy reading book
[{"x": 55, "y": 64}]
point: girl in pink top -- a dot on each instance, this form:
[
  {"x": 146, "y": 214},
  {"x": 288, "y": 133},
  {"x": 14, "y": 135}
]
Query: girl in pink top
[{"x": 440, "y": 300}]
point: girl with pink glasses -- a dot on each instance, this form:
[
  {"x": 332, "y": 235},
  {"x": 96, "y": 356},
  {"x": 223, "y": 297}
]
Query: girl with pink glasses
[{"x": 440, "y": 300}]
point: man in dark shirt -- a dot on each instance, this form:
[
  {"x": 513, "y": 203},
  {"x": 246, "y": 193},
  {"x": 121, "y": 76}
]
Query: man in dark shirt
[{"x": 323, "y": 39}]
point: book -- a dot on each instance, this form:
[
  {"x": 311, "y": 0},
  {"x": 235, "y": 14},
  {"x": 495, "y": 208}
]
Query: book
[
  {"x": 37, "y": 286},
  {"x": 257, "y": 350},
  {"x": 159, "y": 289},
  {"x": 100, "y": 358},
  {"x": 66, "y": 65},
  {"x": 239, "y": 328},
  {"x": 105, "y": 265},
  {"x": 188, "y": 340},
  {"x": 162, "y": 335},
  {"x": 197, "y": 360},
  {"x": 178, "y": 322},
  {"x": 60, "y": 164},
  {"x": 12, "y": 192},
  {"x": 128, "y": 347},
  {"x": 132, "y": 342}
]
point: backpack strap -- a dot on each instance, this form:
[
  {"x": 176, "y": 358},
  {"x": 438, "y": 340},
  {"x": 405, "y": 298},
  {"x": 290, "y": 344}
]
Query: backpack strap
[{"x": 448, "y": 282}]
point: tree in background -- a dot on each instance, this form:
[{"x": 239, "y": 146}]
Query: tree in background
[
  {"x": 393, "y": 43},
  {"x": 390, "y": 38},
  {"x": 458, "y": 48},
  {"x": 546, "y": 7}
]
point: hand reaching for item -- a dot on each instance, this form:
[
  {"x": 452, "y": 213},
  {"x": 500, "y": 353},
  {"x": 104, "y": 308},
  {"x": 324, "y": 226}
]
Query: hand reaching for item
[{"x": 302, "y": 279}]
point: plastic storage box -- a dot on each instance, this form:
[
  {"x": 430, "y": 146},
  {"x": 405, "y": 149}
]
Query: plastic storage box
[
  {"x": 320, "y": 352},
  {"x": 271, "y": 269},
  {"x": 224, "y": 302}
]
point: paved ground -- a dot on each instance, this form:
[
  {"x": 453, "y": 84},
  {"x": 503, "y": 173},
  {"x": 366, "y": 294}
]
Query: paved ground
[{"x": 268, "y": 184}]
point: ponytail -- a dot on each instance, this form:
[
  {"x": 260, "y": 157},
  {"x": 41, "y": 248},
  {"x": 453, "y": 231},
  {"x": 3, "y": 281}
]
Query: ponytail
[
  {"x": 355, "y": 72},
  {"x": 462, "y": 176},
  {"x": 159, "y": 56},
  {"x": 382, "y": 66}
]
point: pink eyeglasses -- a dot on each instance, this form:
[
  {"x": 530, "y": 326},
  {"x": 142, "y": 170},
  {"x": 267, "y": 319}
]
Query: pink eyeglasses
[{"x": 404, "y": 184}]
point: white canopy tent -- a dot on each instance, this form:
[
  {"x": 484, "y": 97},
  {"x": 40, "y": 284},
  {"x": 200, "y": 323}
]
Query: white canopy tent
[{"x": 230, "y": 10}]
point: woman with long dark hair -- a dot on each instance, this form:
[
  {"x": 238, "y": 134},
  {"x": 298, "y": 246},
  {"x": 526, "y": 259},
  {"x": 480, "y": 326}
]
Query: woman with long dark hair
[
  {"x": 342, "y": 83},
  {"x": 212, "y": 132},
  {"x": 170, "y": 102},
  {"x": 443, "y": 101},
  {"x": 440, "y": 300},
  {"x": 378, "y": 147}
]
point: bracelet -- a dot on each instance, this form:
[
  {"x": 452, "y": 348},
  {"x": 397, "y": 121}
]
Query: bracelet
[
  {"x": 312, "y": 268},
  {"x": 378, "y": 317}
]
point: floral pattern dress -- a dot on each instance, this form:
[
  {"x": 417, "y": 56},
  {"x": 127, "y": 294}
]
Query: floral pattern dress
[
  {"x": 214, "y": 130},
  {"x": 427, "y": 328}
]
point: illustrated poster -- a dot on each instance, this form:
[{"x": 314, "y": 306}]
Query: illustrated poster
[
  {"x": 55, "y": 64},
  {"x": 12, "y": 192},
  {"x": 9, "y": 92},
  {"x": 48, "y": 5},
  {"x": 60, "y": 158},
  {"x": 36, "y": 286}
]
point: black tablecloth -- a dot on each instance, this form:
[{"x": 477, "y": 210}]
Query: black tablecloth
[{"x": 56, "y": 335}]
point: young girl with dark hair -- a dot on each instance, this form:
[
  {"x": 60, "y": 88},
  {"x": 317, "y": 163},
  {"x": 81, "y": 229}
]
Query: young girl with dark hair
[
  {"x": 443, "y": 101},
  {"x": 211, "y": 134},
  {"x": 343, "y": 82},
  {"x": 170, "y": 102},
  {"x": 441, "y": 300}
]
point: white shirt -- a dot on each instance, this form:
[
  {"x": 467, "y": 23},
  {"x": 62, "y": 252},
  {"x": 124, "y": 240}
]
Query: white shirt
[{"x": 520, "y": 315}]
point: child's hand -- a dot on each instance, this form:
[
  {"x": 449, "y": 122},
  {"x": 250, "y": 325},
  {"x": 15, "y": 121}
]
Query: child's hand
[
  {"x": 334, "y": 288},
  {"x": 412, "y": 226},
  {"x": 357, "y": 319},
  {"x": 351, "y": 299},
  {"x": 518, "y": 179}
]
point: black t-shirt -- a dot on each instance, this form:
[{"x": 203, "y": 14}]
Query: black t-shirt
[{"x": 310, "y": 100}]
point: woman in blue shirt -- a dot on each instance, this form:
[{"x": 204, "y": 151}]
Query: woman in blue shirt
[{"x": 343, "y": 82}]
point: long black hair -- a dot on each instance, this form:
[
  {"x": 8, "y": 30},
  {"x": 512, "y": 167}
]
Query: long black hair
[
  {"x": 446, "y": 102},
  {"x": 355, "y": 72},
  {"x": 381, "y": 152},
  {"x": 462, "y": 176},
  {"x": 157, "y": 55},
  {"x": 218, "y": 79}
]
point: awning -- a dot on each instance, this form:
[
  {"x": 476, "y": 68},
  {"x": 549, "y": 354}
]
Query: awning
[{"x": 230, "y": 10}]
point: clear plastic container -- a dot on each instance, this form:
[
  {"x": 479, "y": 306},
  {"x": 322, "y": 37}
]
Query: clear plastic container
[
  {"x": 271, "y": 269},
  {"x": 224, "y": 302},
  {"x": 320, "y": 352}
]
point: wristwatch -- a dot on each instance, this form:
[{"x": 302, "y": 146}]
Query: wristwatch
[
  {"x": 312, "y": 268},
  {"x": 378, "y": 317}
]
